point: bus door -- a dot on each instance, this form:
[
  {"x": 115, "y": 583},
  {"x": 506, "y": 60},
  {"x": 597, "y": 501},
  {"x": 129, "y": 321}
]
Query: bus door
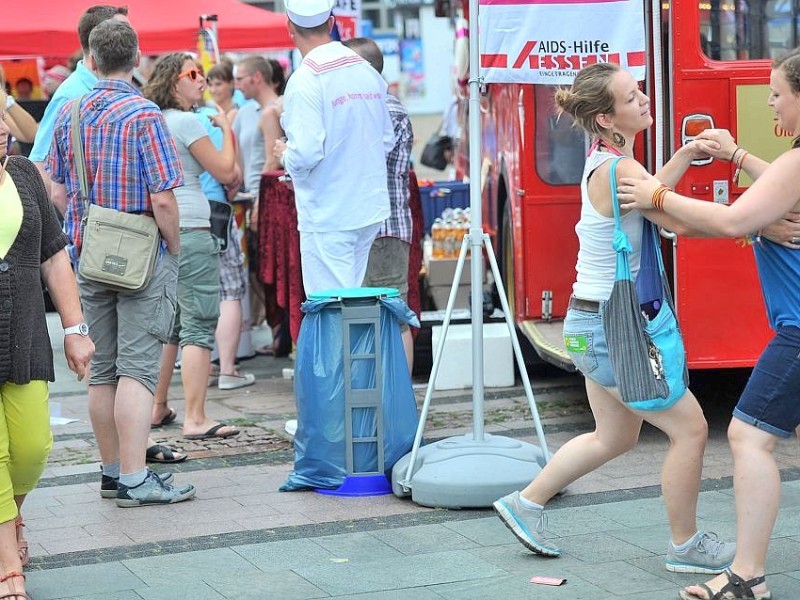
[
  {"x": 549, "y": 209},
  {"x": 719, "y": 78}
]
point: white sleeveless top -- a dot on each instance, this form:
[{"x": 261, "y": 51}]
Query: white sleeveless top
[{"x": 597, "y": 260}]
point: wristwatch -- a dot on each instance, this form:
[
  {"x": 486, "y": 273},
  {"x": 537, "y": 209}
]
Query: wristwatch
[{"x": 81, "y": 329}]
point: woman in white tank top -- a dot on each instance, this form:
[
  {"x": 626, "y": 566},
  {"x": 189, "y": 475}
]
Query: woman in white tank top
[{"x": 608, "y": 103}]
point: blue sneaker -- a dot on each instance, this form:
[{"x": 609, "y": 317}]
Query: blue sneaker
[
  {"x": 527, "y": 524},
  {"x": 707, "y": 555}
]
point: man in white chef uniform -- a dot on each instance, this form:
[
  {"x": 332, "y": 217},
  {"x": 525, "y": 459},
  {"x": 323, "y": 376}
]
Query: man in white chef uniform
[{"x": 338, "y": 132}]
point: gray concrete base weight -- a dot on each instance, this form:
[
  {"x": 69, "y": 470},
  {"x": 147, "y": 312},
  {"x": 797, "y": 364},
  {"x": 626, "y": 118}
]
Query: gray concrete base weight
[{"x": 459, "y": 472}]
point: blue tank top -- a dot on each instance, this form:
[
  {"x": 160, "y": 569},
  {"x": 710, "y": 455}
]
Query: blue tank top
[{"x": 779, "y": 271}]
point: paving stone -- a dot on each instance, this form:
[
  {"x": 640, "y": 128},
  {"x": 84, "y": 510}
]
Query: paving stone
[
  {"x": 639, "y": 513},
  {"x": 417, "y": 593},
  {"x": 284, "y": 555},
  {"x": 519, "y": 587},
  {"x": 616, "y": 576},
  {"x": 190, "y": 567},
  {"x": 485, "y": 532},
  {"x": 82, "y": 580},
  {"x": 425, "y": 538},
  {"x": 126, "y": 595},
  {"x": 360, "y": 546},
  {"x": 395, "y": 574},
  {"x": 578, "y": 521},
  {"x": 183, "y": 591},
  {"x": 283, "y": 585},
  {"x": 600, "y": 548}
]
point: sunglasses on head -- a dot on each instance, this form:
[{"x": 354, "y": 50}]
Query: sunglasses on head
[{"x": 192, "y": 74}]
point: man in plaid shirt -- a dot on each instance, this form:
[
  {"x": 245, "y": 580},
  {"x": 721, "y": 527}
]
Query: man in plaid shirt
[
  {"x": 132, "y": 166},
  {"x": 388, "y": 257}
]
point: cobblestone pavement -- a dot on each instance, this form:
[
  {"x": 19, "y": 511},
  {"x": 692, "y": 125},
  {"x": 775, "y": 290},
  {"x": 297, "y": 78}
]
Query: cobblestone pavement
[{"x": 241, "y": 538}]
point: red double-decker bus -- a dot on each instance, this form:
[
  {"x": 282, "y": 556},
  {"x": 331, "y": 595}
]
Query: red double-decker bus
[{"x": 709, "y": 64}]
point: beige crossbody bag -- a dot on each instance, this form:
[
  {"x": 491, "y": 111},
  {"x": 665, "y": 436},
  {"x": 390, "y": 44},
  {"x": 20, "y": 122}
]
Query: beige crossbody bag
[{"x": 119, "y": 249}]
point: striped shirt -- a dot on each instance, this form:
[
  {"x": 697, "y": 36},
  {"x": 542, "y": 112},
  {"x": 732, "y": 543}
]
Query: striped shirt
[
  {"x": 398, "y": 163},
  {"x": 128, "y": 149}
]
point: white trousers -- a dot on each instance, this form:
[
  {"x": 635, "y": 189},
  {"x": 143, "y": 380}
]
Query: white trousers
[{"x": 335, "y": 259}]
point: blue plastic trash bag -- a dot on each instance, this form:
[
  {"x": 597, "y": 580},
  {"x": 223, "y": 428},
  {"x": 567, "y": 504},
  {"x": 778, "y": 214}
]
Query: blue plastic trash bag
[{"x": 319, "y": 444}]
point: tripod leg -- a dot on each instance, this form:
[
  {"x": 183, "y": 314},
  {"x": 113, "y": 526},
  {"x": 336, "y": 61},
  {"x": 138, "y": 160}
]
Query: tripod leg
[
  {"x": 437, "y": 357},
  {"x": 515, "y": 344}
]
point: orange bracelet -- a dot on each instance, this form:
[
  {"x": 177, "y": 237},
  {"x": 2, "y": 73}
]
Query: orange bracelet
[{"x": 658, "y": 197}]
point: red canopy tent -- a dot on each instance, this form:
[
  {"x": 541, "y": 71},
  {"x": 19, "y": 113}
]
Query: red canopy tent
[{"x": 49, "y": 28}]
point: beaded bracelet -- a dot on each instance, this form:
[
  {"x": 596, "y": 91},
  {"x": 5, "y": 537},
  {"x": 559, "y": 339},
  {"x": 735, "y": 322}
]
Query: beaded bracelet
[{"x": 739, "y": 163}]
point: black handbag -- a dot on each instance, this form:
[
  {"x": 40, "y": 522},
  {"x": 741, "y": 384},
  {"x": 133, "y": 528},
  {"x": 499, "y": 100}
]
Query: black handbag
[
  {"x": 433, "y": 155},
  {"x": 220, "y": 222}
]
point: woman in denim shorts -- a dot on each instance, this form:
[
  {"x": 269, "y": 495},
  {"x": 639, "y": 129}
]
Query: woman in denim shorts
[
  {"x": 608, "y": 103},
  {"x": 769, "y": 408}
]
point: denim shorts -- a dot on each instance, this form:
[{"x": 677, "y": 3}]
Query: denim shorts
[
  {"x": 771, "y": 399},
  {"x": 585, "y": 339}
]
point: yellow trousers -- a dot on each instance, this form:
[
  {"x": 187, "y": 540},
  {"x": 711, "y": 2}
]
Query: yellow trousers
[{"x": 25, "y": 441}]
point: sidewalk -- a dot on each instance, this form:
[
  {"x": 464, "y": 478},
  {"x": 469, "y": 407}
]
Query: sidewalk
[{"x": 241, "y": 538}]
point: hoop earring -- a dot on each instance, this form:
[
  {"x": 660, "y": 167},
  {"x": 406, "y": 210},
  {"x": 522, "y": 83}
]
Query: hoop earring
[{"x": 619, "y": 140}]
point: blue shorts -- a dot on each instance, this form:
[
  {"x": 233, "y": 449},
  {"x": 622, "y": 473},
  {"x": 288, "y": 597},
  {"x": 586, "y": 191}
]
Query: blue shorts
[
  {"x": 585, "y": 338},
  {"x": 771, "y": 399}
]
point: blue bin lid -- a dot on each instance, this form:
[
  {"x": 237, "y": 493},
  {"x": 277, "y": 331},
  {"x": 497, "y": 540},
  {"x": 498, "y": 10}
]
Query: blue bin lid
[{"x": 362, "y": 292}]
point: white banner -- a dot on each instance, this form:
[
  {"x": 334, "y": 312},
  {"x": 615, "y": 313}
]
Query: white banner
[{"x": 549, "y": 41}]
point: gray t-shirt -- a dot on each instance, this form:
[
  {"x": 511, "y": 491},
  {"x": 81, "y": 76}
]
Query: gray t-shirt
[
  {"x": 193, "y": 205},
  {"x": 251, "y": 144}
]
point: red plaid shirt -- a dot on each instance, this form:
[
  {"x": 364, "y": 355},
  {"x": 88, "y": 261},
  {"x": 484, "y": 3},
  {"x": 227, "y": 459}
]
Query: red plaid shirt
[{"x": 128, "y": 149}]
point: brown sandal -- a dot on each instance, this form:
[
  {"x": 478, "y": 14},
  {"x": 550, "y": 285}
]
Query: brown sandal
[
  {"x": 13, "y": 592},
  {"x": 22, "y": 544}
]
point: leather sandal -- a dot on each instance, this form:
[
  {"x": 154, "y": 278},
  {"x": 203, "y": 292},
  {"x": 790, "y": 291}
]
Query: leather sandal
[
  {"x": 12, "y": 586},
  {"x": 736, "y": 588},
  {"x": 22, "y": 544}
]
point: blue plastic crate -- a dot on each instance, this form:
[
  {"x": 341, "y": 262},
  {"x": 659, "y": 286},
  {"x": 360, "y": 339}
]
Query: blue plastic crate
[{"x": 442, "y": 194}]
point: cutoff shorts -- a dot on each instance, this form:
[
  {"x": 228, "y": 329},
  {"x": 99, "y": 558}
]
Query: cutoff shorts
[
  {"x": 198, "y": 290},
  {"x": 232, "y": 272},
  {"x": 388, "y": 267},
  {"x": 771, "y": 399},
  {"x": 585, "y": 339}
]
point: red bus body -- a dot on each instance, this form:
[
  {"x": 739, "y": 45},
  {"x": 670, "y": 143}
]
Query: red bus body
[{"x": 531, "y": 206}]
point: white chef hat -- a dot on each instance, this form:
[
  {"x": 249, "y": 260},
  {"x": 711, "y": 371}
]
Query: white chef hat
[{"x": 309, "y": 13}]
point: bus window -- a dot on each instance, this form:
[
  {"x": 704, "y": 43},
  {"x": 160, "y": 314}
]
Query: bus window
[
  {"x": 747, "y": 29},
  {"x": 560, "y": 148}
]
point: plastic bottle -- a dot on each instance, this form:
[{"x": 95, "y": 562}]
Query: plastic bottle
[
  {"x": 450, "y": 248},
  {"x": 437, "y": 236}
]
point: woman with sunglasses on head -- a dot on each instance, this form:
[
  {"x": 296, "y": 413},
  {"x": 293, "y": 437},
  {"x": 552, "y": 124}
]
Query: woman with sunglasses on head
[
  {"x": 176, "y": 86},
  {"x": 608, "y": 104}
]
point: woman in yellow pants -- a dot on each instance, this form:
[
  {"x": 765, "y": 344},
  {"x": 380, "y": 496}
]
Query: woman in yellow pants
[{"x": 31, "y": 250}]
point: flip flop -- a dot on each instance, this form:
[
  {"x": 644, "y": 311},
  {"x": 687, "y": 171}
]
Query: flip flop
[
  {"x": 265, "y": 351},
  {"x": 167, "y": 455},
  {"x": 171, "y": 416},
  {"x": 213, "y": 432}
]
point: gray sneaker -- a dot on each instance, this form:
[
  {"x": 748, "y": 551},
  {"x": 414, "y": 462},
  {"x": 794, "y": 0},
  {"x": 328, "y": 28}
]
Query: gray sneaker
[
  {"x": 152, "y": 490},
  {"x": 527, "y": 524},
  {"x": 707, "y": 555},
  {"x": 109, "y": 485}
]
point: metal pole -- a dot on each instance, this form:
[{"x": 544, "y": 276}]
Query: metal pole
[{"x": 476, "y": 227}]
